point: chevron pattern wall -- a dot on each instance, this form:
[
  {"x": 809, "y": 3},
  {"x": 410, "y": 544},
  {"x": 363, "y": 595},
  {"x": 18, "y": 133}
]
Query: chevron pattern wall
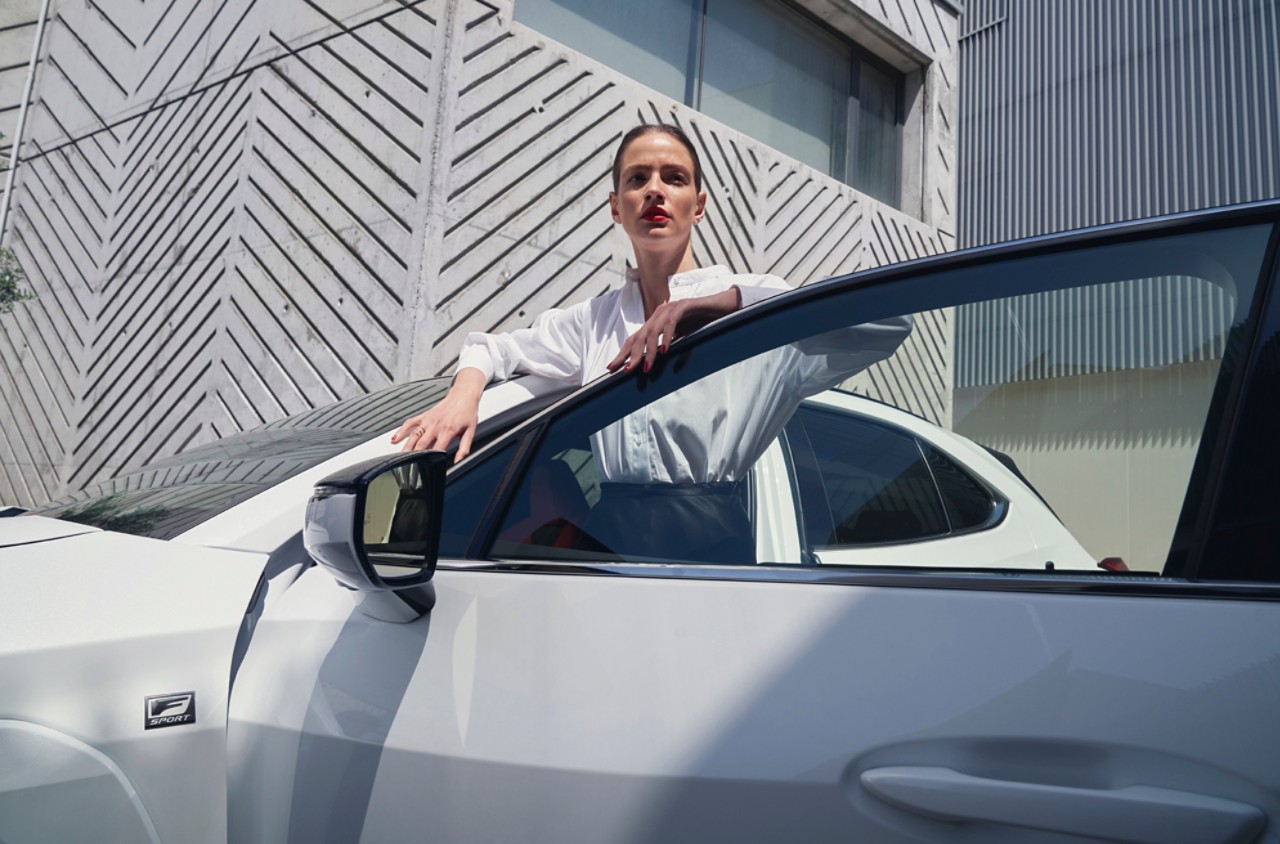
[
  {"x": 233, "y": 211},
  {"x": 18, "y": 20}
]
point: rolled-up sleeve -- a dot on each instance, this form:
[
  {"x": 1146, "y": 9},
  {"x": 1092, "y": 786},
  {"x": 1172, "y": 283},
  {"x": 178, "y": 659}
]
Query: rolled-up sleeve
[
  {"x": 552, "y": 346},
  {"x": 757, "y": 288}
]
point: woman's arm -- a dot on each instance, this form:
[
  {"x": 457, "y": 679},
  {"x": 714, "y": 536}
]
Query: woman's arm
[
  {"x": 455, "y": 415},
  {"x": 552, "y": 347}
]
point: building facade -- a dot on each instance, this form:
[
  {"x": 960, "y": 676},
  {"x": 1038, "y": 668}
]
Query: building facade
[
  {"x": 232, "y": 211},
  {"x": 1084, "y": 112}
]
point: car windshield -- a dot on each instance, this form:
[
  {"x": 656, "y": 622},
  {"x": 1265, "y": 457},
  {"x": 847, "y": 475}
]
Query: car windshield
[{"x": 171, "y": 496}]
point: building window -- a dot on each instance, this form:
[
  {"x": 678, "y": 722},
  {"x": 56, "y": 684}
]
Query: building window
[{"x": 760, "y": 66}]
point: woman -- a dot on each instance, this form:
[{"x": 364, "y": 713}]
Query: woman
[
  {"x": 671, "y": 473},
  {"x": 657, "y": 198}
]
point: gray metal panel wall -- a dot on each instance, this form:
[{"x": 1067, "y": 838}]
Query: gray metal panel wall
[
  {"x": 1082, "y": 112},
  {"x": 235, "y": 210}
]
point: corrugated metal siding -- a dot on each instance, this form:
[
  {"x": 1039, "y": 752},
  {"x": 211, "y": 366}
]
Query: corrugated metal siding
[
  {"x": 1083, "y": 112},
  {"x": 1154, "y": 322}
]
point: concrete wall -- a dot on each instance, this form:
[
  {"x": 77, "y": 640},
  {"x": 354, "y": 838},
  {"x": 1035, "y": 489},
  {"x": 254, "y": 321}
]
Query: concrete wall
[
  {"x": 232, "y": 211},
  {"x": 18, "y": 19}
]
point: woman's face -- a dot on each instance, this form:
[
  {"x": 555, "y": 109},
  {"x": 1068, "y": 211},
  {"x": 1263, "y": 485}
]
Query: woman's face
[{"x": 656, "y": 201}]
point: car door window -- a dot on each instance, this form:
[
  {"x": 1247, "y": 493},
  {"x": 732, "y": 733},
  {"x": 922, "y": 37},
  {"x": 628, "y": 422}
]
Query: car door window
[
  {"x": 468, "y": 496},
  {"x": 1050, "y": 408},
  {"x": 882, "y": 485},
  {"x": 666, "y": 481}
]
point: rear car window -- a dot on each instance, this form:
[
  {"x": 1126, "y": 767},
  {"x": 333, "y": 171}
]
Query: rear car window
[
  {"x": 884, "y": 485},
  {"x": 171, "y": 496}
]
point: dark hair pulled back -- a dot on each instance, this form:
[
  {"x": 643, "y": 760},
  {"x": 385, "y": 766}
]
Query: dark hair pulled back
[{"x": 657, "y": 128}]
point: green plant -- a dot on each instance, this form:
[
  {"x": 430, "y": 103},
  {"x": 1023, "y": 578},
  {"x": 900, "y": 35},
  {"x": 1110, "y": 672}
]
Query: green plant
[{"x": 11, "y": 277}]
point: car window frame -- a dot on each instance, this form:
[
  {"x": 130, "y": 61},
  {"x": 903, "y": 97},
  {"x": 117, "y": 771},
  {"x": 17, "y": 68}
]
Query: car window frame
[
  {"x": 1229, "y": 463},
  {"x": 890, "y": 291}
]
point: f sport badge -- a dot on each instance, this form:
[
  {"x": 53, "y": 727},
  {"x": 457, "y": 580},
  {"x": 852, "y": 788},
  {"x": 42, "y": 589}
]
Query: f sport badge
[{"x": 170, "y": 710}]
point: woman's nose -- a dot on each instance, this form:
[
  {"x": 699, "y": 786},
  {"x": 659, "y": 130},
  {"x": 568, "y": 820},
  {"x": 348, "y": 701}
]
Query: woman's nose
[{"x": 653, "y": 189}]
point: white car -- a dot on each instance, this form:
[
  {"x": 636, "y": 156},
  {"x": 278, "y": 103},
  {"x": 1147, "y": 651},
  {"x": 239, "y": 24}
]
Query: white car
[{"x": 914, "y": 647}]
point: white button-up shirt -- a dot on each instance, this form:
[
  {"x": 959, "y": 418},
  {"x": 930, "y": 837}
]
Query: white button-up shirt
[{"x": 575, "y": 344}]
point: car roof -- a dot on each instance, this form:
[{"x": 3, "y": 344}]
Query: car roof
[{"x": 265, "y": 521}]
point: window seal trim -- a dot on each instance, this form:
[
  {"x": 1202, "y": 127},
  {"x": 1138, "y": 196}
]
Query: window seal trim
[
  {"x": 505, "y": 489},
  {"x": 1264, "y": 212}
]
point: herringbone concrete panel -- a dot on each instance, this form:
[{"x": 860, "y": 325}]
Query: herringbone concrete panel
[
  {"x": 222, "y": 258},
  {"x": 919, "y": 377},
  {"x": 524, "y": 225},
  {"x": 18, "y": 24},
  {"x": 232, "y": 211}
]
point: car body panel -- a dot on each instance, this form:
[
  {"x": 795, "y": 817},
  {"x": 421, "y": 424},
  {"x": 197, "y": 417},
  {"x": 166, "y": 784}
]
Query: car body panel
[
  {"x": 47, "y": 772},
  {"x": 92, "y": 625},
  {"x": 29, "y": 529},
  {"x": 743, "y": 711}
]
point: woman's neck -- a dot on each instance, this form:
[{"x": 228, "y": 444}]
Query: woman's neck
[{"x": 655, "y": 271}]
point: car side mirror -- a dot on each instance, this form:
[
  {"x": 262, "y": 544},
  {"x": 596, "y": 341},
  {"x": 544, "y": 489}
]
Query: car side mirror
[{"x": 376, "y": 527}]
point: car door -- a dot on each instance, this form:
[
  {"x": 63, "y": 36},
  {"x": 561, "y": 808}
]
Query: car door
[{"x": 576, "y": 683}]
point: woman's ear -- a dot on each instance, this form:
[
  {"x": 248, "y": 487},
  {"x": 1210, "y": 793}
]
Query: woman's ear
[
  {"x": 613, "y": 207},
  {"x": 702, "y": 207}
]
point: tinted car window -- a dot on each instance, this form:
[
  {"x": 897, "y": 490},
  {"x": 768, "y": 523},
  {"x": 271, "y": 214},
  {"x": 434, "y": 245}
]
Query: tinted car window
[
  {"x": 969, "y": 505},
  {"x": 171, "y": 496},
  {"x": 667, "y": 480},
  {"x": 466, "y": 499},
  {"x": 878, "y": 486}
]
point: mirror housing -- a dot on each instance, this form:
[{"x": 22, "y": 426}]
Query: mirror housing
[{"x": 375, "y": 526}]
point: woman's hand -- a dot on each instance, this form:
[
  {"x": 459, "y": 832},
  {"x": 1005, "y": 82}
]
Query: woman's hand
[
  {"x": 669, "y": 321},
  {"x": 454, "y": 417}
]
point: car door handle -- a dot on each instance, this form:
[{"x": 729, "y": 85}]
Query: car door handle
[{"x": 1136, "y": 813}]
